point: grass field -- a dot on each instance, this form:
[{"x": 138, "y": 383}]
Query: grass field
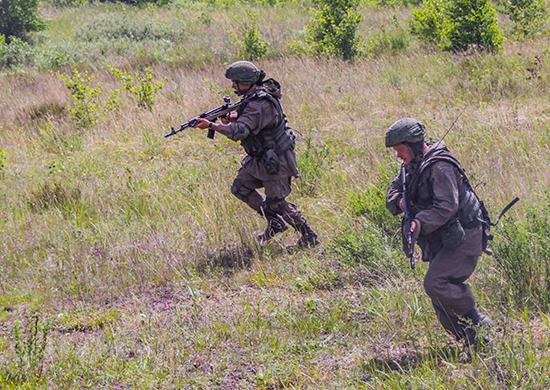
[{"x": 127, "y": 263}]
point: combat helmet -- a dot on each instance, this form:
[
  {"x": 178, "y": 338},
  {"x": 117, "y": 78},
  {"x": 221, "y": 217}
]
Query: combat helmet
[
  {"x": 406, "y": 130},
  {"x": 244, "y": 72}
]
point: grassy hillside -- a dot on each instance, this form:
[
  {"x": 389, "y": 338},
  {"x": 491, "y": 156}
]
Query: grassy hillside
[{"x": 125, "y": 262}]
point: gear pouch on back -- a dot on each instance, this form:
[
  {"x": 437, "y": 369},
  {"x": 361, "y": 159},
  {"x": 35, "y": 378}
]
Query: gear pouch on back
[
  {"x": 271, "y": 162},
  {"x": 452, "y": 234}
]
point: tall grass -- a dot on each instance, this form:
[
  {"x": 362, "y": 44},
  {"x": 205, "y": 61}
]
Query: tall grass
[{"x": 143, "y": 268}]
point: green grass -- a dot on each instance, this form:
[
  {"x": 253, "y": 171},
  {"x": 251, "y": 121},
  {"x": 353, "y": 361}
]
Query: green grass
[{"x": 132, "y": 249}]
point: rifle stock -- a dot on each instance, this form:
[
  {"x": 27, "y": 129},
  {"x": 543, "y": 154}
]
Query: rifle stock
[
  {"x": 407, "y": 218},
  {"x": 211, "y": 115}
]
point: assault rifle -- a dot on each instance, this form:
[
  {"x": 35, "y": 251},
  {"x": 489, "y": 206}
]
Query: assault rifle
[
  {"x": 407, "y": 218},
  {"x": 211, "y": 115}
]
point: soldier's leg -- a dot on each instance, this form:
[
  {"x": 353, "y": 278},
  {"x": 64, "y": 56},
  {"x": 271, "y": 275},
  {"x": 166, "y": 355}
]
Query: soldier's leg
[
  {"x": 452, "y": 299},
  {"x": 276, "y": 192},
  {"x": 245, "y": 188},
  {"x": 444, "y": 284}
]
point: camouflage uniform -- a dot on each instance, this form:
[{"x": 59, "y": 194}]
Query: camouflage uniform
[
  {"x": 451, "y": 237},
  {"x": 270, "y": 162}
]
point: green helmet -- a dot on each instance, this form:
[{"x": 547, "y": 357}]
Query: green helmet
[
  {"x": 407, "y": 130},
  {"x": 243, "y": 72}
]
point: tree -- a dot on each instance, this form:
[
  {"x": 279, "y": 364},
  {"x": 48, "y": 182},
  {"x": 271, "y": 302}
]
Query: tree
[{"x": 19, "y": 17}]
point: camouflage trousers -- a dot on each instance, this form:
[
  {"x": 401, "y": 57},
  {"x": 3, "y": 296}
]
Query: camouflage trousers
[
  {"x": 445, "y": 280},
  {"x": 273, "y": 202}
]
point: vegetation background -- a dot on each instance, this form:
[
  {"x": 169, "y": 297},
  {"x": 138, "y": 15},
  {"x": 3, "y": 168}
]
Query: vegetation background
[{"x": 126, "y": 262}]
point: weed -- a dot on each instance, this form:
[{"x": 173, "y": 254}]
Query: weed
[
  {"x": 142, "y": 87},
  {"x": 30, "y": 346},
  {"x": 522, "y": 254},
  {"x": 312, "y": 163},
  {"x": 85, "y": 98}
]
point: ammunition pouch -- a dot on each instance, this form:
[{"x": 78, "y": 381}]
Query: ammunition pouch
[{"x": 271, "y": 162}]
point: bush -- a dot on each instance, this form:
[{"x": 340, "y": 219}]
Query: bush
[
  {"x": 429, "y": 22},
  {"x": 528, "y": 16},
  {"x": 19, "y": 17},
  {"x": 253, "y": 45},
  {"x": 333, "y": 32},
  {"x": 85, "y": 97},
  {"x": 142, "y": 88},
  {"x": 15, "y": 52},
  {"x": 473, "y": 22},
  {"x": 458, "y": 24}
]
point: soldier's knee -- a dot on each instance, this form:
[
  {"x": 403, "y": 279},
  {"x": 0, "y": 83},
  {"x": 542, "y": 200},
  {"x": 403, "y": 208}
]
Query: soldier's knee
[
  {"x": 433, "y": 287},
  {"x": 239, "y": 190},
  {"x": 277, "y": 205}
]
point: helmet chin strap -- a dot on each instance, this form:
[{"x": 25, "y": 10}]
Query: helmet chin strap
[{"x": 243, "y": 93}]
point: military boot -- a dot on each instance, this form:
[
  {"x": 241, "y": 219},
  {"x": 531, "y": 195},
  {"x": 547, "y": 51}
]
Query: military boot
[
  {"x": 275, "y": 224},
  {"x": 309, "y": 237},
  {"x": 476, "y": 326}
]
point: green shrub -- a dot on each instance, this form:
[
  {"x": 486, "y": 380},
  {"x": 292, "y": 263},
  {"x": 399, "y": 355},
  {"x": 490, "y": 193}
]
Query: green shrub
[
  {"x": 429, "y": 22},
  {"x": 142, "y": 88},
  {"x": 522, "y": 255},
  {"x": 333, "y": 30},
  {"x": 457, "y": 24},
  {"x": 19, "y": 17},
  {"x": 86, "y": 105},
  {"x": 473, "y": 22},
  {"x": 15, "y": 52},
  {"x": 528, "y": 16},
  {"x": 253, "y": 45}
]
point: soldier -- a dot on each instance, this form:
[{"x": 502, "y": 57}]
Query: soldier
[
  {"x": 261, "y": 126},
  {"x": 447, "y": 224}
]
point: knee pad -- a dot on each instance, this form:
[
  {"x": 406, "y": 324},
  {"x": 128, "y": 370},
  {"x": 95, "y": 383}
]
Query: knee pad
[
  {"x": 276, "y": 205},
  {"x": 239, "y": 190}
]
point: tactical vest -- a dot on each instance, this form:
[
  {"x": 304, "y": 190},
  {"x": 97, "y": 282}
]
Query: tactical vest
[
  {"x": 470, "y": 212},
  {"x": 278, "y": 138}
]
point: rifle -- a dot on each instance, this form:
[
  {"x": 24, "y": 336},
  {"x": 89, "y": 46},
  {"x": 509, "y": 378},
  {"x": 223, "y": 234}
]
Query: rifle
[
  {"x": 407, "y": 218},
  {"x": 211, "y": 115}
]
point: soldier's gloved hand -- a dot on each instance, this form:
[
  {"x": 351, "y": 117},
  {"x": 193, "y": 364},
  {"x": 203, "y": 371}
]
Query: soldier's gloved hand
[{"x": 416, "y": 226}]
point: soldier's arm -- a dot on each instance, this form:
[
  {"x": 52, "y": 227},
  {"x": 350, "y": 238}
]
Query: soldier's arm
[
  {"x": 444, "y": 181},
  {"x": 393, "y": 196},
  {"x": 234, "y": 131}
]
